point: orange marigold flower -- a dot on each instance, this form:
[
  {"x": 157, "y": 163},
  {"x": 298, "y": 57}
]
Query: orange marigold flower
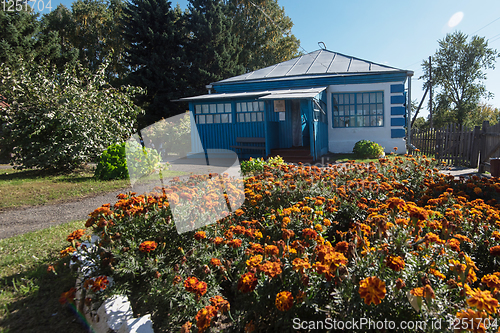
[
  {"x": 496, "y": 235},
  {"x": 270, "y": 250},
  {"x": 491, "y": 280},
  {"x": 271, "y": 268},
  {"x": 220, "y": 304},
  {"x": 215, "y": 262},
  {"x": 239, "y": 212},
  {"x": 218, "y": 240},
  {"x": 254, "y": 248},
  {"x": 372, "y": 290},
  {"x": 234, "y": 243},
  {"x": 192, "y": 284},
  {"x": 204, "y": 317},
  {"x": 478, "y": 190},
  {"x": 66, "y": 251},
  {"x": 472, "y": 320},
  {"x": 400, "y": 284},
  {"x": 177, "y": 280},
  {"x": 454, "y": 244},
  {"x": 437, "y": 273},
  {"x": 68, "y": 296},
  {"x": 254, "y": 261},
  {"x": 96, "y": 284},
  {"x": 482, "y": 300},
  {"x": 309, "y": 233},
  {"x": 287, "y": 233},
  {"x": 396, "y": 263},
  {"x": 147, "y": 246},
  {"x": 77, "y": 234},
  {"x": 495, "y": 250},
  {"x": 433, "y": 238},
  {"x": 186, "y": 328},
  {"x": 300, "y": 265},
  {"x": 342, "y": 247},
  {"x": 418, "y": 213},
  {"x": 247, "y": 283},
  {"x": 284, "y": 301},
  {"x": 199, "y": 235}
]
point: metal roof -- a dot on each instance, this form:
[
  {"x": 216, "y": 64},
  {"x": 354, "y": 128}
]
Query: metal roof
[
  {"x": 320, "y": 62},
  {"x": 266, "y": 94}
]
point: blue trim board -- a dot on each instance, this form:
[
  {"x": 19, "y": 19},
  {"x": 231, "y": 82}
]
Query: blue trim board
[
  {"x": 398, "y": 111},
  {"x": 287, "y": 83},
  {"x": 397, "y": 88},
  {"x": 398, "y": 121},
  {"x": 398, "y": 133},
  {"x": 399, "y": 99}
]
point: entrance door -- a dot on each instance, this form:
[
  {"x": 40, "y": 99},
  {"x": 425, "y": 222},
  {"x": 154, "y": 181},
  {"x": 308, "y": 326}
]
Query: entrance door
[{"x": 296, "y": 124}]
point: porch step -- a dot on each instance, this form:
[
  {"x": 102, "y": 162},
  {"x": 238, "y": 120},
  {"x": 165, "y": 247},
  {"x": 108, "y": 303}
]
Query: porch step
[{"x": 294, "y": 154}]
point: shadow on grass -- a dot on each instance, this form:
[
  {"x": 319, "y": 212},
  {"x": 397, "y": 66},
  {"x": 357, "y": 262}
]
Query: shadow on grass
[{"x": 35, "y": 305}]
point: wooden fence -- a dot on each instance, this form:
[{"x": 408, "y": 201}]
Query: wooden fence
[{"x": 457, "y": 145}]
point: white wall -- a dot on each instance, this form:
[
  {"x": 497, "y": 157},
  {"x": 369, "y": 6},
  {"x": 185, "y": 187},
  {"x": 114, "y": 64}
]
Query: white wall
[{"x": 342, "y": 140}]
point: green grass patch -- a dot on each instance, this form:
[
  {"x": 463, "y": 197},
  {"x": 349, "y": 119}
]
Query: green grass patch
[
  {"x": 34, "y": 187},
  {"x": 29, "y": 294},
  {"x": 340, "y": 158}
]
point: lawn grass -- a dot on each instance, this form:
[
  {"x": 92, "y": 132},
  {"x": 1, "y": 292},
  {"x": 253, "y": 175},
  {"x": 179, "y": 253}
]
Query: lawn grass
[
  {"x": 29, "y": 294},
  {"x": 33, "y": 187},
  {"x": 341, "y": 158}
]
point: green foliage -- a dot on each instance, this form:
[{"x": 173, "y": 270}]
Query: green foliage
[
  {"x": 59, "y": 121},
  {"x": 113, "y": 161},
  {"x": 172, "y": 137},
  {"x": 368, "y": 149},
  {"x": 211, "y": 46},
  {"x": 458, "y": 71},
  {"x": 257, "y": 165}
]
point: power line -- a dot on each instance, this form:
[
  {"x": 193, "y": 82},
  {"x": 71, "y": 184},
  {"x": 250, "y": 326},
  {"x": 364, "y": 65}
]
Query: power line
[{"x": 486, "y": 25}]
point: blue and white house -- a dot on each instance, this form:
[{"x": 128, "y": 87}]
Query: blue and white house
[{"x": 322, "y": 101}]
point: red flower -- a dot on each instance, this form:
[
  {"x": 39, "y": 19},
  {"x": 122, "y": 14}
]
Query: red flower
[
  {"x": 247, "y": 283},
  {"x": 147, "y": 246}
]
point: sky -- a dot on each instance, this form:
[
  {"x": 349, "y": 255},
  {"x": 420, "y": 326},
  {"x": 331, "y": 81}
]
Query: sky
[{"x": 398, "y": 33}]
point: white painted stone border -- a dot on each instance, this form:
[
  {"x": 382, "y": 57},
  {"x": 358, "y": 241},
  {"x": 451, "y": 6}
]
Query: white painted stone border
[{"x": 114, "y": 315}]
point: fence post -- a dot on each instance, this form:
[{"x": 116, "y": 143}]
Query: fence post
[
  {"x": 482, "y": 146},
  {"x": 476, "y": 142}
]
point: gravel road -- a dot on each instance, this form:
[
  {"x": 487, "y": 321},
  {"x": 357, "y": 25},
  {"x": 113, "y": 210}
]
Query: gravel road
[{"x": 18, "y": 221}]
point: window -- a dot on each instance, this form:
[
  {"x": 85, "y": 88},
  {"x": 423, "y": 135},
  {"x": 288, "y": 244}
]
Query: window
[
  {"x": 247, "y": 112},
  {"x": 358, "y": 109},
  {"x": 213, "y": 113}
]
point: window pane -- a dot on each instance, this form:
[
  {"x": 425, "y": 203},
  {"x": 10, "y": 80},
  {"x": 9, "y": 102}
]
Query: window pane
[
  {"x": 335, "y": 122},
  {"x": 379, "y": 97},
  {"x": 213, "y": 108},
  {"x": 244, "y": 107},
  {"x": 241, "y": 117},
  {"x": 247, "y": 117},
  {"x": 227, "y": 107},
  {"x": 380, "y": 109},
  {"x": 341, "y": 122},
  {"x": 359, "y": 98},
  {"x": 204, "y": 108},
  {"x": 201, "y": 119},
  {"x": 373, "y": 121},
  {"x": 341, "y": 99},
  {"x": 352, "y": 121},
  {"x": 254, "y": 116},
  {"x": 198, "y": 108},
  {"x": 261, "y": 106},
  {"x": 335, "y": 113},
  {"x": 259, "y": 116},
  {"x": 352, "y": 110},
  {"x": 351, "y": 99},
  {"x": 238, "y": 107},
  {"x": 366, "y": 98},
  {"x": 224, "y": 118},
  {"x": 373, "y": 109},
  {"x": 360, "y": 119},
  {"x": 256, "y": 106},
  {"x": 250, "y": 106},
  {"x": 220, "y": 108},
  {"x": 230, "y": 118},
  {"x": 380, "y": 120},
  {"x": 341, "y": 110},
  {"x": 217, "y": 118},
  {"x": 373, "y": 98},
  {"x": 210, "y": 119}
]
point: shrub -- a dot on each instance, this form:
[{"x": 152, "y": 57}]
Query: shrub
[
  {"x": 113, "y": 162},
  {"x": 368, "y": 149},
  {"x": 256, "y": 165},
  {"x": 62, "y": 120}
]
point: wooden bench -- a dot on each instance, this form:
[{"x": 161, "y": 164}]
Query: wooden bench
[{"x": 241, "y": 141}]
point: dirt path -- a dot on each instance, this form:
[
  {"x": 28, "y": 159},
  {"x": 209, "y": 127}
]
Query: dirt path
[{"x": 19, "y": 221}]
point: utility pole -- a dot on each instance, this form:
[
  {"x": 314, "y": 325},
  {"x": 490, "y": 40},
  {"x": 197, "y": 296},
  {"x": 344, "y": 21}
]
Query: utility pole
[{"x": 430, "y": 92}]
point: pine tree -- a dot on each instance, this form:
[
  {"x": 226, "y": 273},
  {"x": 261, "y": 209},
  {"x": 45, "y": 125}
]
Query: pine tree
[
  {"x": 153, "y": 33},
  {"x": 212, "y": 48}
]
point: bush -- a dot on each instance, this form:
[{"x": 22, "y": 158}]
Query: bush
[
  {"x": 256, "y": 165},
  {"x": 113, "y": 162},
  {"x": 62, "y": 120},
  {"x": 368, "y": 149}
]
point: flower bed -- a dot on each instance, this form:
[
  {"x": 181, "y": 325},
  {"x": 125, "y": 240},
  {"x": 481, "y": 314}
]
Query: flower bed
[{"x": 390, "y": 240}]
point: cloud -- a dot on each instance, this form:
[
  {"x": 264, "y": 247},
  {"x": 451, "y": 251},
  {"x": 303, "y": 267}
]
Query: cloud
[{"x": 455, "y": 19}]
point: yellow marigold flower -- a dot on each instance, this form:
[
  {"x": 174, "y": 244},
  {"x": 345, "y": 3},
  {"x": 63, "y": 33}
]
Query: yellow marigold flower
[
  {"x": 270, "y": 250},
  {"x": 318, "y": 227},
  {"x": 215, "y": 262},
  {"x": 482, "y": 300},
  {"x": 199, "y": 235},
  {"x": 254, "y": 261},
  {"x": 496, "y": 235},
  {"x": 396, "y": 263},
  {"x": 66, "y": 251},
  {"x": 284, "y": 301},
  {"x": 270, "y": 268},
  {"x": 437, "y": 273},
  {"x": 372, "y": 290}
]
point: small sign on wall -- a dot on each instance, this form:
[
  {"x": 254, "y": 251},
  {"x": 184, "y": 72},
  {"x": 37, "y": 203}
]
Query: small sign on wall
[
  {"x": 282, "y": 116},
  {"x": 279, "y": 105}
]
